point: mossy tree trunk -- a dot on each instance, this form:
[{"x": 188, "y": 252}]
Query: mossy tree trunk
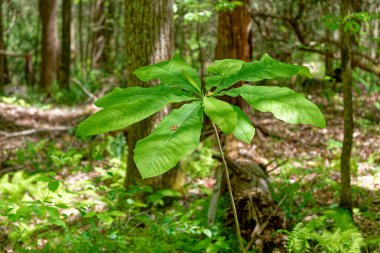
[
  {"x": 149, "y": 40},
  {"x": 345, "y": 168}
]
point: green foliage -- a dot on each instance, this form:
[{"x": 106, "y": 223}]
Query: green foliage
[
  {"x": 333, "y": 232},
  {"x": 372, "y": 244},
  {"x": 284, "y": 103},
  {"x": 174, "y": 138},
  {"x": 201, "y": 163},
  {"x": 126, "y": 112},
  {"x": 172, "y": 72},
  {"x": 221, "y": 113},
  {"x": 266, "y": 68},
  {"x": 178, "y": 134},
  {"x": 79, "y": 217}
]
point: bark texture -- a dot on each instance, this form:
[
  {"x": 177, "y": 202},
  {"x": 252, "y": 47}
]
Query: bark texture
[
  {"x": 345, "y": 168},
  {"x": 66, "y": 44},
  {"x": 50, "y": 43},
  {"x": 233, "y": 39},
  {"x": 149, "y": 40}
]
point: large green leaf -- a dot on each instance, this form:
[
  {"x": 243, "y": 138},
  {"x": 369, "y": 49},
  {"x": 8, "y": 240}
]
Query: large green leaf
[
  {"x": 174, "y": 72},
  {"x": 174, "y": 138},
  {"x": 120, "y": 115},
  {"x": 221, "y": 113},
  {"x": 221, "y": 70},
  {"x": 119, "y": 95},
  {"x": 284, "y": 103},
  {"x": 266, "y": 68},
  {"x": 244, "y": 130}
]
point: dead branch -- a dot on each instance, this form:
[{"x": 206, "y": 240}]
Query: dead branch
[
  {"x": 257, "y": 232},
  {"x": 14, "y": 54},
  {"x": 84, "y": 89},
  {"x": 369, "y": 64},
  {"x": 8, "y": 135}
]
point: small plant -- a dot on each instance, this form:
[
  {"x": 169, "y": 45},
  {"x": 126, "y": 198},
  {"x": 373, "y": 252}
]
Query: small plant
[
  {"x": 332, "y": 232},
  {"x": 178, "y": 134}
]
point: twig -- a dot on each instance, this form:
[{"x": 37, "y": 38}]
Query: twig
[
  {"x": 32, "y": 131},
  {"x": 277, "y": 166},
  {"x": 238, "y": 233},
  {"x": 84, "y": 89},
  {"x": 257, "y": 232}
]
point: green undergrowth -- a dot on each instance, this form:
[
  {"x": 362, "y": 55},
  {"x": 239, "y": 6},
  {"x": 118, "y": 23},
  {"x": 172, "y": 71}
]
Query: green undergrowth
[
  {"x": 69, "y": 197},
  {"x": 315, "y": 223}
]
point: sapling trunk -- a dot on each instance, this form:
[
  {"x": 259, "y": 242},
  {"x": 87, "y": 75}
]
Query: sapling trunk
[{"x": 238, "y": 234}]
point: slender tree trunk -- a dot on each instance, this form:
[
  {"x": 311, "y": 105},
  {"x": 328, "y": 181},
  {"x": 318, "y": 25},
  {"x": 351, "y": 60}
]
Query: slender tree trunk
[
  {"x": 50, "y": 44},
  {"x": 120, "y": 11},
  {"x": 66, "y": 44},
  {"x": 345, "y": 170},
  {"x": 89, "y": 33},
  {"x": 2, "y": 72},
  {"x": 328, "y": 33},
  {"x": 98, "y": 35},
  {"x": 107, "y": 56},
  {"x": 80, "y": 25},
  {"x": 149, "y": 39}
]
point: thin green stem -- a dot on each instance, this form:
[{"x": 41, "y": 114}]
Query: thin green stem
[{"x": 238, "y": 233}]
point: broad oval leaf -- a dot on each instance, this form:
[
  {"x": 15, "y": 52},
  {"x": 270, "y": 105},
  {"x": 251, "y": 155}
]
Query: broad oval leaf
[
  {"x": 171, "y": 72},
  {"x": 120, "y": 116},
  {"x": 119, "y": 95},
  {"x": 174, "y": 138},
  {"x": 266, "y": 68},
  {"x": 53, "y": 185},
  {"x": 222, "y": 69},
  {"x": 221, "y": 113},
  {"x": 284, "y": 103},
  {"x": 244, "y": 130}
]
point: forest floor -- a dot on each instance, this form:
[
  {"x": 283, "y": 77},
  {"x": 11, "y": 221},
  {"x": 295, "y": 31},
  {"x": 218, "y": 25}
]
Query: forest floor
[{"x": 304, "y": 160}]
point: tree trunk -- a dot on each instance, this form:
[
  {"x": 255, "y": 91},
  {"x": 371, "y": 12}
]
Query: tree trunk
[
  {"x": 2, "y": 47},
  {"x": 50, "y": 44},
  {"x": 66, "y": 44},
  {"x": 345, "y": 170},
  {"x": 98, "y": 35},
  {"x": 329, "y": 68},
  {"x": 107, "y": 55},
  {"x": 88, "y": 43},
  {"x": 233, "y": 41},
  {"x": 149, "y": 39},
  {"x": 80, "y": 25},
  {"x": 250, "y": 183},
  {"x": 233, "y": 38}
]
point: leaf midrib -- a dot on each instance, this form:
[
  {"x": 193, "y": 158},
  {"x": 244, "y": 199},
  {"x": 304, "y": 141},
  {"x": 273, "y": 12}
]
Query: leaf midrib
[{"x": 171, "y": 136}]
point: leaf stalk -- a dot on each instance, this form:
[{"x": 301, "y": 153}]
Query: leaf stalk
[{"x": 238, "y": 233}]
